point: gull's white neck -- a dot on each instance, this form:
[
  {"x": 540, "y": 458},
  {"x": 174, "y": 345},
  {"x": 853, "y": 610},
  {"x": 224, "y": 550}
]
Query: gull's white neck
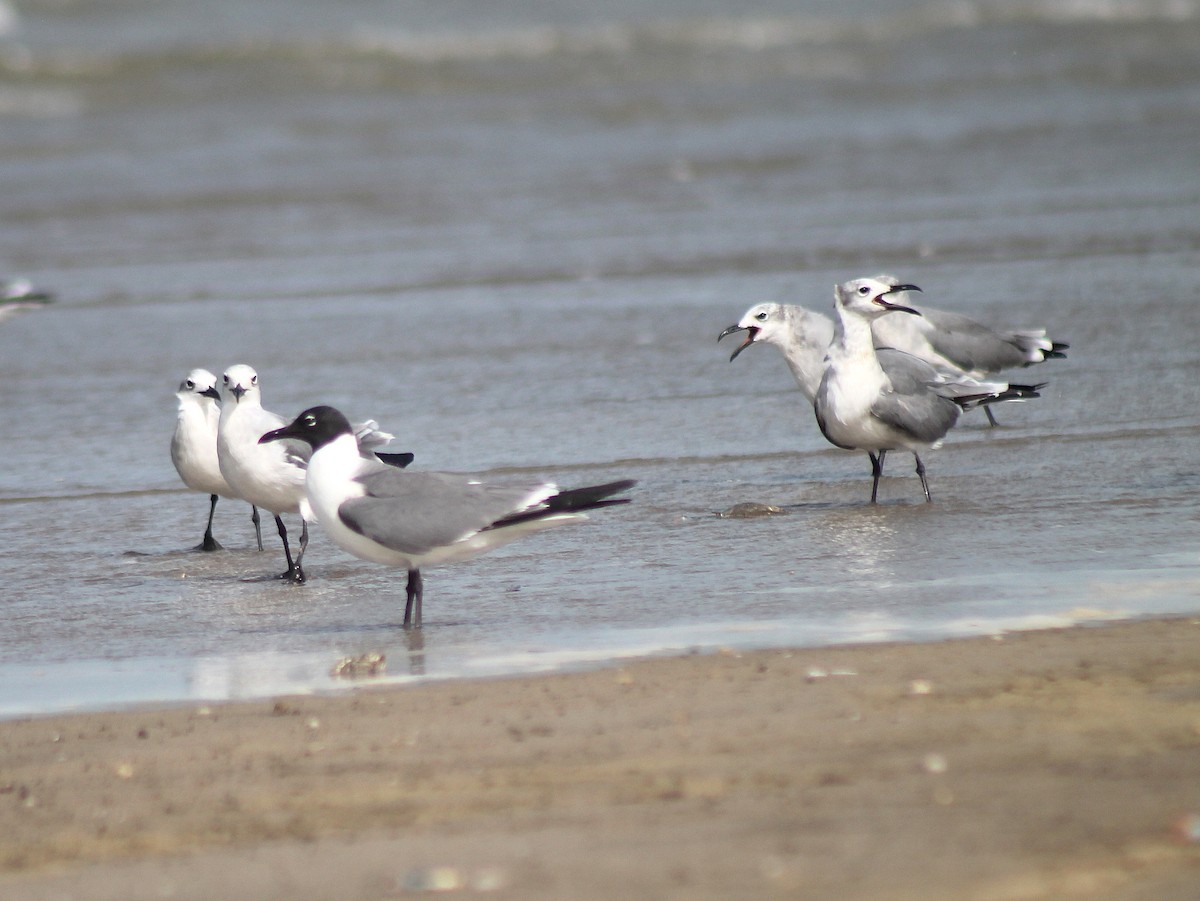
[
  {"x": 330, "y": 478},
  {"x": 248, "y": 401},
  {"x": 337, "y": 461},
  {"x": 853, "y": 343},
  {"x": 807, "y": 344}
]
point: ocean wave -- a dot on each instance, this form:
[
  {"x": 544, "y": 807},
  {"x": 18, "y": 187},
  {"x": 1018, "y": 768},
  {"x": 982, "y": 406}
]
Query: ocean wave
[
  {"x": 330, "y": 52},
  {"x": 754, "y": 33}
]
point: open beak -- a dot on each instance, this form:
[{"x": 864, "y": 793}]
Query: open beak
[
  {"x": 751, "y": 331},
  {"x": 897, "y": 289}
]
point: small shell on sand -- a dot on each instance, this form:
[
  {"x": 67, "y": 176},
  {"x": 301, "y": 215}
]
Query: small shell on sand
[{"x": 371, "y": 663}]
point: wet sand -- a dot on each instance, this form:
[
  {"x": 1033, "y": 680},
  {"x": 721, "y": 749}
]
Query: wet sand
[{"x": 1052, "y": 764}]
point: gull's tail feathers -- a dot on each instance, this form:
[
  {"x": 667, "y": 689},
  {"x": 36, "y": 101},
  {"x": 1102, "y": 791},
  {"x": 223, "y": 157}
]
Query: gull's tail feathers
[
  {"x": 1011, "y": 394},
  {"x": 573, "y": 500},
  {"x": 1037, "y": 347}
]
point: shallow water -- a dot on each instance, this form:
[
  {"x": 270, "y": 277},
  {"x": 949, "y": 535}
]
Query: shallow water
[{"x": 513, "y": 242}]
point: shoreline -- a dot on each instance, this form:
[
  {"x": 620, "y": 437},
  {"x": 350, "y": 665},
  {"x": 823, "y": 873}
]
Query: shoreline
[{"x": 1042, "y": 764}]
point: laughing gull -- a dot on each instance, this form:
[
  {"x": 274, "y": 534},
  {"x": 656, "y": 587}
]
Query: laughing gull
[
  {"x": 804, "y": 338},
  {"x": 194, "y": 448},
  {"x": 945, "y": 338},
  {"x": 272, "y": 476},
  {"x": 415, "y": 519},
  {"x": 862, "y": 406},
  {"x": 19, "y": 294}
]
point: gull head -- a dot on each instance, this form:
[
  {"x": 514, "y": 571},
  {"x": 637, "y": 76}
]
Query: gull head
[
  {"x": 870, "y": 297},
  {"x": 239, "y": 381},
  {"x": 762, "y": 322},
  {"x": 316, "y": 426},
  {"x": 199, "y": 383}
]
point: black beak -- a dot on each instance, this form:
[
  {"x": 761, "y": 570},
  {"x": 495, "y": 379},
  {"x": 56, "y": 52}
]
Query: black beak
[
  {"x": 278, "y": 434},
  {"x": 753, "y": 333},
  {"x": 212, "y": 392},
  {"x": 897, "y": 289},
  {"x": 237, "y": 391}
]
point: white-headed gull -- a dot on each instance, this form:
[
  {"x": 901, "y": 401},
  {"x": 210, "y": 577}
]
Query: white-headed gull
[{"x": 194, "y": 447}]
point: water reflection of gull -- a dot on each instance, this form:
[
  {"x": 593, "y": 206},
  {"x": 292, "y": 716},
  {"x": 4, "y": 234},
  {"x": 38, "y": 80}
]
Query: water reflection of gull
[
  {"x": 415, "y": 644},
  {"x": 866, "y": 543},
  {"x": 266, "y": 673},
  {"x": 258, "y": 675}
]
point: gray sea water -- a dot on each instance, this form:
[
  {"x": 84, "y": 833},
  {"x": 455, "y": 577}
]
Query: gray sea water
[{"x": 511, "y": 232}]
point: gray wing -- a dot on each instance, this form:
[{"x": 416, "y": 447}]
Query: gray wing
[
  {"x": 298, "y": 452},
  {"x": 969, "y": 343},
  {"x": 414, "y": 512},
  {"x": 913, "y": 405}
]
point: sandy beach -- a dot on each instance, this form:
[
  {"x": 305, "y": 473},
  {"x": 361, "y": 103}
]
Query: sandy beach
[
  {"x": 1050, "y": 764},
  {"x": 511, "y": 233}
]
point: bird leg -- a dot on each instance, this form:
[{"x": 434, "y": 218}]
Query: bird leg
[
  {"x": 413, "y": 591},
  {"x": 209, "y": 543},
  {"x": 921, "y": 473},
  {"x": 254, "y": 518},
  {"x": 294, "y": 572},
  {"x": 303, "y": 548},
  {"x": 990, "y": 415},
  {"x": 876, "y": 471}
]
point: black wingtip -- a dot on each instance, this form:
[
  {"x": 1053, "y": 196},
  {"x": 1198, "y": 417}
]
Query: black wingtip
[
  {"x": 574, "y": 500},
  {"x": 1058, "y": 351},
  {"x": 1012, "y": 393},
  {"x": 400, "y": 461},
  {"x": 589, "y": 498}
]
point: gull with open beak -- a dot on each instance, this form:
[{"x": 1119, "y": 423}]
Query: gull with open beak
[{"x": 902, "y": 380}]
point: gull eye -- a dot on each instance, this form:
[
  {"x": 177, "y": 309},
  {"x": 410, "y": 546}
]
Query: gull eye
[
  {"x": 226, "y": 379},
  {"x": 190, "y": 385},
  {"x": 863, "y": 290},
  {"x": 310, "y": 421},
  {"x": 254, "y": 380},
  {"x": 761, "y": 317}
]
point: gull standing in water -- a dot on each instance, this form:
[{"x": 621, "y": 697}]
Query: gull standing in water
[
  {"x": 272, "y": 476},
  {"x": 804, "y": 337},
  {"x": 860, "y": 406},
  {"x": 194, "y": 448},
  {"x": 978, "y": 352},
  {"x": 418, "y": 519}
]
